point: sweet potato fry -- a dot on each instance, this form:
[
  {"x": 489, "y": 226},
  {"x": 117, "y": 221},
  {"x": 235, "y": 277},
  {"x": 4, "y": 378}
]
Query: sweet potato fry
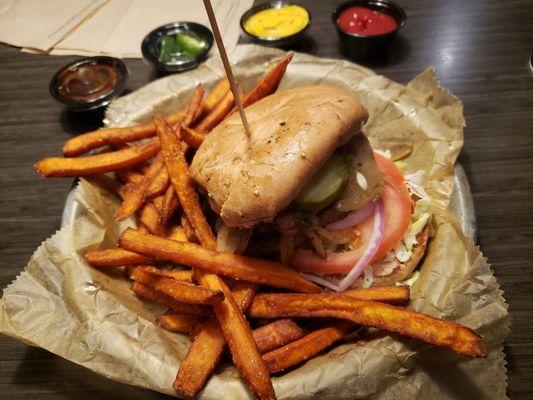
[
  {"x": 118, "y": 136},
  {"x": 243, "y": 293},
  {"x": 178, "y": 274},
  {"x": 201, "y": 359},
  {"x": 157, "y": 201},
  {"x": 178, "y": 323},
  {"x": 276, "y": 334},
  {"x": 130, "y": 269},
  {"x": 207, "y": 347},
  {"x": 131, "y": 175},
  {"x": 151, "y": 294},
  {"x": 124, "y": 189},
  {"x": 99, "y": 163},
  {"x": 134, "y": 198},
  {"x": 159, "y": 184},
  {"x": 370, "y": 313},
  {"x": 234, "y": 326},
  {"x": 177, "y": 233},
  {"x": 240, "y": 340},
  {"x": 231, "y": 265},
  {"x": 113, "y": 136},
  {"x": 180, "y": 291},
  {"x": 214, "y": 97},
  {"x": 188, "y": 229},
  {"x": 192, "y": 137},
  {"x": 141, "y": 167},
  {"x": 170, "y": 204},
  {"x": 181, "y": 181},
  {"x": 182, "y": 184},
  {"x": 209, "y": 341},
  {"x": 194, "y": 107},
  {"x": 384, "y": 294},
  {"x": 150, "y": 218},
  {"x": 142, "y": 229},
  {"x": 217, "y": 114},
  {"x": 268, "y": 84},
  {"x": 114, "y": 258},
  {"x": 308, "y": 346}
]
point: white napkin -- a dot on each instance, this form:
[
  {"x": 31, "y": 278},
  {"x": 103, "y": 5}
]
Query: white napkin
[
  {"x": 41, "y": 24},
  {"x": 107, "y": 27}
]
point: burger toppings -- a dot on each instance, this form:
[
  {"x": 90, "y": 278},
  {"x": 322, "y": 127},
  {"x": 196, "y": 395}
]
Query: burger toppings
[
  {"x": 353, "y": 218},
  {"x": 396, "y": 265},
  {"x": 332, "y": 213},
  {"x": 364, "y": 182},
  {"x": 325, "y": 187},
  {"x": 397, "y": 210},
  {"x": 370, "y": 249},
  {"x": 232, "y": 240}
]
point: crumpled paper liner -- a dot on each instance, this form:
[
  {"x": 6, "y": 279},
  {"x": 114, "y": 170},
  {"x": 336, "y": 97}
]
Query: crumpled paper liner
[{"x": 92, "y": 318}]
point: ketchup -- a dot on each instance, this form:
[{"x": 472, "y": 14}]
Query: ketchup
[{"x": 364, "y": 21}]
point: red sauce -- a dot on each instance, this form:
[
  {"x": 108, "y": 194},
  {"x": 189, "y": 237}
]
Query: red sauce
[{"x": 364, "y": 21}]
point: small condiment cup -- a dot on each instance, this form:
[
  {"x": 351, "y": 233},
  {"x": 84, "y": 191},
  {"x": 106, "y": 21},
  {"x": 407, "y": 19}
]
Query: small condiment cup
[
  {"x": 89, "y": 83},
  {"x": 359, "y": 47},
  {"x": 151, "y": 46},
  {"x": 274, "y": 41}
]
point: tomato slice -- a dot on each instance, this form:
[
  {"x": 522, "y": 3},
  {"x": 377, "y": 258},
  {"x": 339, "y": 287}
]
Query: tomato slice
[
  {"x": 398, "y": 206},
  {"x": 388, "y": 168},
  {"x": 398, "y": 210}
]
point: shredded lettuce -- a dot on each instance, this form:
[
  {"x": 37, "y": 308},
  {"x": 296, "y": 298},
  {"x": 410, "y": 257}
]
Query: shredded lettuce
[
  {"x": 415, "y": 183},
  {"x": 384, "y": 153},
  {"x": 401, "y": 252},
  {"x": 404, "y": 249},
  {"x": 401, "y": 165},
  {"x": 410, "y": 279}
]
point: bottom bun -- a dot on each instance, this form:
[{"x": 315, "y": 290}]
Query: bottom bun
[{"x": 401, "y": 271}]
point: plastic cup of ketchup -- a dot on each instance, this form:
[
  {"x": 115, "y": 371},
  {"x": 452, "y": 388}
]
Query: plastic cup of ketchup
[{"x": 366, "y": 28}]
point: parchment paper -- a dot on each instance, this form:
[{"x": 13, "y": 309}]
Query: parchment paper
[{"x": 63, "y": 305}]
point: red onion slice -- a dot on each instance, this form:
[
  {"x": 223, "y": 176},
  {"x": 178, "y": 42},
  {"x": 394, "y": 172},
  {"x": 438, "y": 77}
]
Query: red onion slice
[
  {"x": 365, "y": 259},
  {"x": 353, "y": 218},
  {"x": 370, "y": 250},
  {"x": 321, "y": 281}
]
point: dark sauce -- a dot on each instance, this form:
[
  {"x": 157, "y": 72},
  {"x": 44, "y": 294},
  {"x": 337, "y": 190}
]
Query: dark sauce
[{"x": 88, "y": 82}]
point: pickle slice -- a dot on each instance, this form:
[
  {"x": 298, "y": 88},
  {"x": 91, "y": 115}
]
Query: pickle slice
[
  {"x": 166, "y": 49},
  {"x": 180, "y": 45},
  {"x": 325, "y": 187},
  {"x": 189, "y": 44}
]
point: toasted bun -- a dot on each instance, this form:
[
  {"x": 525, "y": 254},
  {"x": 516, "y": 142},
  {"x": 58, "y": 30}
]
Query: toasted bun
[
  {"x": 401, "y": 271},
  {"x": 293, "y": 133}
]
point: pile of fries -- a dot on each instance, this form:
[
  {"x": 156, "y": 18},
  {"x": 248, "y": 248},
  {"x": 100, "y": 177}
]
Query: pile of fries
[{"x": 222, "y": 299}]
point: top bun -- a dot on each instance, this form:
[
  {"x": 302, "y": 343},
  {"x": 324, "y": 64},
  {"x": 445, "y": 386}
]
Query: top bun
[{"x": 293, "y": 133}]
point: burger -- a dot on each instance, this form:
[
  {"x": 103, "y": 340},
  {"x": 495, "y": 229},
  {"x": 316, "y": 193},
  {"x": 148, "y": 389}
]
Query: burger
[{"x": 304, "y": 186}]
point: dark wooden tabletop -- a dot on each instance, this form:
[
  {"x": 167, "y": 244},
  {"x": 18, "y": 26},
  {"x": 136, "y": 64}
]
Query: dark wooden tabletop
[{"x": 480, "y": 50}]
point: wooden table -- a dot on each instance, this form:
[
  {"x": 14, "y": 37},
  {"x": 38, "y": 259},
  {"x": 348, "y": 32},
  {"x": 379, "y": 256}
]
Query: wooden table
[{"x": 480, "y": 51}]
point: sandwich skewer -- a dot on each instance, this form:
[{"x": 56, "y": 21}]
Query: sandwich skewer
[{"x": 227, "y": 66}]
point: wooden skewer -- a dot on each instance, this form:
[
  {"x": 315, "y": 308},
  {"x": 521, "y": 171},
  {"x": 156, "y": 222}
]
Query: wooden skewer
[{"x": 227, "y": 66}]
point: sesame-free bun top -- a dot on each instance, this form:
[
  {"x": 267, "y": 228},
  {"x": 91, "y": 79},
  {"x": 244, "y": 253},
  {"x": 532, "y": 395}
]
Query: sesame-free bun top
[{"x": 293, "y": 133}]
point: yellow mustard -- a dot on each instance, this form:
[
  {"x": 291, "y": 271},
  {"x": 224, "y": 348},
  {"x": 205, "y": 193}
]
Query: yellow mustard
[{"x": 277, "y": 22}]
